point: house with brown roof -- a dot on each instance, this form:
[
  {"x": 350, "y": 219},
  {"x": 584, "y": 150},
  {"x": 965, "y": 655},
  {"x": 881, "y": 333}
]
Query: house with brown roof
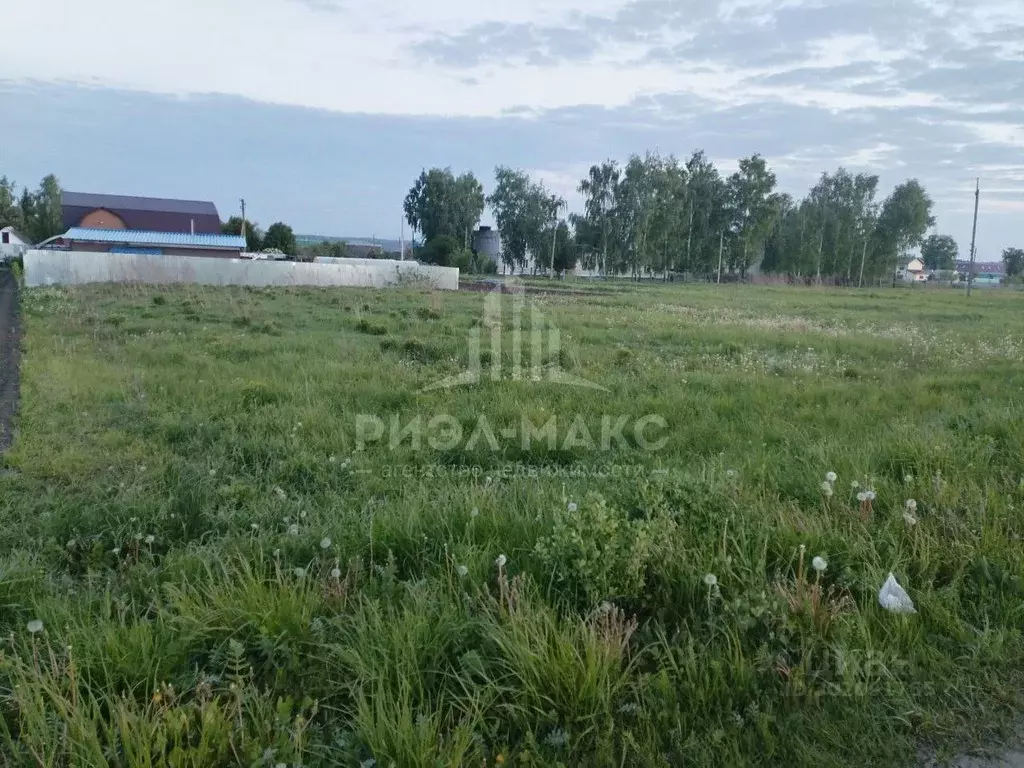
[{"x": 147, "y": 214}]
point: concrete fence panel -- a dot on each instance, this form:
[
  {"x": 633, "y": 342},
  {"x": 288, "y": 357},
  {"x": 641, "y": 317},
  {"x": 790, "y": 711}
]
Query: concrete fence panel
[{"x": 78, "y": 267}]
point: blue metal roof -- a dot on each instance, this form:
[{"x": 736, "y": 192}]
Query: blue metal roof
[{"x": 166, "y": 239}]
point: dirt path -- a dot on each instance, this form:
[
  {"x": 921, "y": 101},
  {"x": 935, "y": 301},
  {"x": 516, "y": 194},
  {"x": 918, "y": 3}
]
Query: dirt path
[{"x": 10, "y": 355}]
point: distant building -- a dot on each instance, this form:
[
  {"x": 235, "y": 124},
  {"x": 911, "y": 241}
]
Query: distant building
[
  {"x": 913, "y": 271},
  {"x": 148, "y": 243},
  {"x": 985, "y": 272},
  {"x": 149, "y": 214},
  {"x": 487, "y": 241},
  {"x": 10, "y": 236}
]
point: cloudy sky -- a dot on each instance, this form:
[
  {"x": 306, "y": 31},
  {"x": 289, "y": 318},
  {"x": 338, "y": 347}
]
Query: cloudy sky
[{"x": 321, "y": 112}]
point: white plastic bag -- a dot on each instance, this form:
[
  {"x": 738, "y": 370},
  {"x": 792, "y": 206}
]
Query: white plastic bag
[{"x": 894, "y": 598}]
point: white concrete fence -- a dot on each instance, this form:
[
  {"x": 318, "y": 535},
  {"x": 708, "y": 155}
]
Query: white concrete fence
[{"x": 77, "y": 267}]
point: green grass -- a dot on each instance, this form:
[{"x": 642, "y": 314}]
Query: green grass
[{"x": 224, "y": 579}]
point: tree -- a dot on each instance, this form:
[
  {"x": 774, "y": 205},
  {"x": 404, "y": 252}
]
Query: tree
[
  {"x": 280, "y": 236},
  {"x": 753, "y": 208},
  {"x": 253, "y": 239},
  {"x": 564, "y": 247},
  {"x": 48, "y": 219},
  {"x": 594, "y": 228},
  {"x": 442, "y": 251},
  {"x": 521, "y": 210},
  {"x": 1013, "y": 261},
  {"x": 709, "y": 217},
  {"x": 441, "y": 204},
  {"x": 905, "y": 217},
  {"x": 939, "y": 252},
  {"x": 10, "y": 211}
]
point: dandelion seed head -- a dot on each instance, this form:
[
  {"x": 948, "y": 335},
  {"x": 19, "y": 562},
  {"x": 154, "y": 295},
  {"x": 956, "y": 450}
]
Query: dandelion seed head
[
  {"x": 573, "y": 506},
  {"x": 826, "y": 488},
  {"x": 908, "y": 479},
  {"x": 855, "y": 485},
  {"x": 150, "y": 539},
  {"x": 475, "y": 512},
  {"x": 831, "y": 477},
  {"x": 710, "y": 579},
  {"x": 463, "y": 571},
  {"x": 870, "y": 495},
  {"x": 335, "y": 573},
  {"x": 730, "y": 473},
  {"x": 325, "y": 543},
  {"x": 911, "y": 505},
  {"x": 862, "y": 496},
  {"x": 819, "y": 564},
  {"x": 35, "y": 626},
  {"x": 909, "y": 519},
  {"x": 501, "y": 561},
  {"x": 300, "y": 573},
  {"x": 293, "y": 529}
]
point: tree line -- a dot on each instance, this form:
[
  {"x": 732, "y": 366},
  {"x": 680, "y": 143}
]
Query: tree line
[
  {"x": 659, "y": 216},
  {"x": 35, "y": 214}
]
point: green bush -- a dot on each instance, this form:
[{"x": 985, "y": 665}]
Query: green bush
[{"x": 596, "y": 552}]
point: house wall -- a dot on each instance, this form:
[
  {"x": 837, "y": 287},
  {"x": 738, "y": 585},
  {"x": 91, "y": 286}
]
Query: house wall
[
  {"x": 70, "y": 268},
  {"x": 11, "y": 238},
  {"x": 101, "y": 218}
]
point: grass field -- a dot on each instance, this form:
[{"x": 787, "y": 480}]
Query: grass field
[{"x": 223, "y": 577}]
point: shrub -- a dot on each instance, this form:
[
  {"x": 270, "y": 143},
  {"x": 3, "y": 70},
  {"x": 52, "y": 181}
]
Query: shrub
[{"x": 596, "y": 552}]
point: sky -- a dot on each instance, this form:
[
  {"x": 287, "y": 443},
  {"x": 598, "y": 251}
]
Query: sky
[{"x": 321, "y": 113}]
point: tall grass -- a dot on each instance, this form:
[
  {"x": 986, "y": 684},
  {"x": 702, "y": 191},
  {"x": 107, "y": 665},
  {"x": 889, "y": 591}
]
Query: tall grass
[{"x": 223, "y": 579}]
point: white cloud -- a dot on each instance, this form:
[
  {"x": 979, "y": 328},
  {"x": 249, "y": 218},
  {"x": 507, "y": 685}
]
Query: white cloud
[
  {"x": 359, "y": 58},
  {"x": 875, "y": 157}
]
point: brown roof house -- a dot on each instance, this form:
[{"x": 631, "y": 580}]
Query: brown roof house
[{"x": 148, "y": 214}]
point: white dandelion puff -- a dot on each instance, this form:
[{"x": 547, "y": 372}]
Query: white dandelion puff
[
  {"x": 855, "y": 485},
  {"x": 831, "y": 477},
  {"x": 325, "y": 543},
  {"x": 300, "y": 573},
  {"x": 335, "y": 573},
  {"x": 870, "y": 495},
  {"x": 862, "y": 496},
  {"x": 475, "y": 512},
  {"x": 909, "y": 519},
  {"x": 908, "y": 479},
  {"x": 730, "y": 473},
  {"x": 150, "y": 539},
  {"x": 463, "y": 571},
  {"x": 819, "y": 564},
  {"x": 35, "y": 626},
  {"x": 911, "y": 505},
  {"x": 710, "y": 579},
  {"x": 573, "y": 506},
  {"x": 826, "y": 488},
  {"x": 280, "y": 493},
  {"x": 293, "y": 529},
  {"x": 501, "y": 561}
]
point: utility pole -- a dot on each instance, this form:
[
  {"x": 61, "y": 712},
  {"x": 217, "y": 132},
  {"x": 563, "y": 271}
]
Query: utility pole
[
  {"x": 242, "y": 201},
  {"x": 721, "y": 243},
  {"x": 974, "y": 236},
  {"x": 554, "y": 233},
  {"x": 863, "y": 258}
]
